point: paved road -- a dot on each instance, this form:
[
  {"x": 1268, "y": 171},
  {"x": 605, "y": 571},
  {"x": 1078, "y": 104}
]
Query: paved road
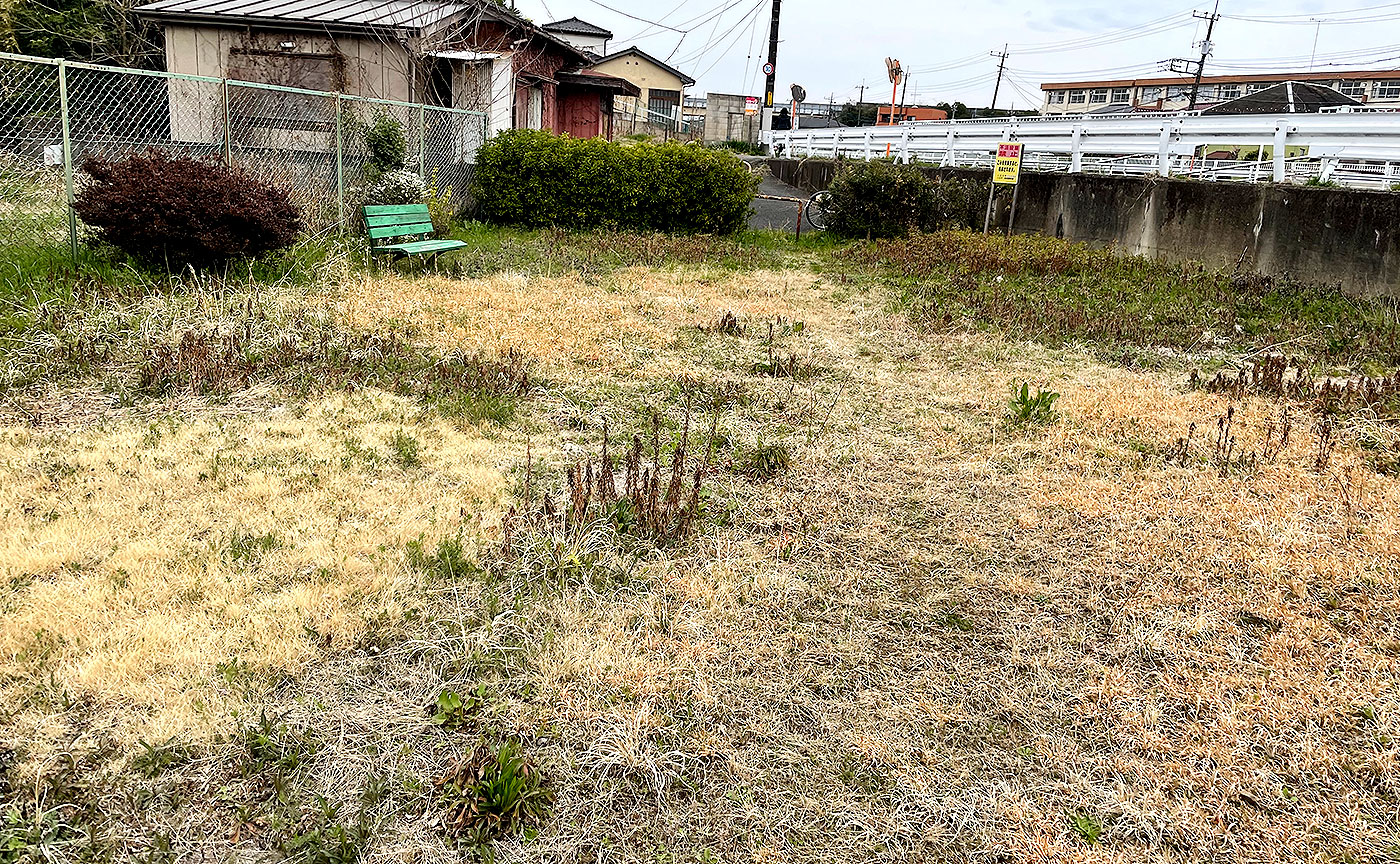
[{"x": 780, "y": 215}]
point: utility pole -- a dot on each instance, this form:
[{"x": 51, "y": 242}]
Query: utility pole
[
  {"x": 771, "y": 69},
  {"x": 860, "y": 106},
  {"x": 1206, "y": 48},
  {"x": 904, "y": 97},
  {"x": 1001, "y": 67}
]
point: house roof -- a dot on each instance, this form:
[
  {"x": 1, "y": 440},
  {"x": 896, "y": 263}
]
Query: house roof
[
  {"x": 1372, "y": 75},
  {"x": 637, "y": 52},
  {"x": 578, "y": 27},
  {"x": 1290, "y": 97},
  {"x": 341, "y": 15}
]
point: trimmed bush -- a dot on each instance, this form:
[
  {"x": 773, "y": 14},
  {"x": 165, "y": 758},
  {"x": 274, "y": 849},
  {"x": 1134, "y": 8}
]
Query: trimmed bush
[
  {"x": 887, "y": 199},
  {"x": 171, "y": 211},
  {"x": 397, "y": 187},
  {"x": 537, "y": 180}
]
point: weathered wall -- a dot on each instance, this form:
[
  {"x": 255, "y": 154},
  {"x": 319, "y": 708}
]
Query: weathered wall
[
  {"x": 725, "y": 120},
  {"x": 1330, "y": 235}
]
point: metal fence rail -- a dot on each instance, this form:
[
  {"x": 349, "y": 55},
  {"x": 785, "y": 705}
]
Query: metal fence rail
[
  {"x": 56, "y": 114},
  {"x": 1360, "y": 150}
]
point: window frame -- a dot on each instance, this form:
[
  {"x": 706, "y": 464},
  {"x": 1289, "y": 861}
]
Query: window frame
[
  {"x": 1387, "y": 90},
  {"x": 1098, "y": 96},
  {"x": 1078, "y": 97}
]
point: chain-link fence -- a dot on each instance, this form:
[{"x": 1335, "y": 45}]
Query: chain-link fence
[{"x": 54, "y": 115}]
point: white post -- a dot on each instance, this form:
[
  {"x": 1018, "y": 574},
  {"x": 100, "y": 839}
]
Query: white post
[
  {"x": 867, "y": 145},
  {"x": 950, "y": 147},
  {"x": 1076, "y": 151},
  {"x": 1281, "y": 153},
  {"x": 904, "y": 145},
  {"x": 1164, "y": 151}
]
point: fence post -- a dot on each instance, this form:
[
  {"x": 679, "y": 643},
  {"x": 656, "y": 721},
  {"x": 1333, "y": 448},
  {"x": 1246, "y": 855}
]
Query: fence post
[
  {"x": 867, "y": 145},
  {"x": 340, "y": 160},
  {"x": 904, "y": 145},
  {"x": 1164, "y": 151},
  {"x": 1281, "y": 153},
  {"x": 1076, "y": 153},
  {"x": 836, "y": 144},
  {"x": 67, "y": 158},
  {"x": 950, "y": 147},
  {"x": 228, "y": 127},
  {"x": 422, "y": 147}
]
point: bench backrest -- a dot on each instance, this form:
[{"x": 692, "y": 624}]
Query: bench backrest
[{"x": 395, "y": 221}]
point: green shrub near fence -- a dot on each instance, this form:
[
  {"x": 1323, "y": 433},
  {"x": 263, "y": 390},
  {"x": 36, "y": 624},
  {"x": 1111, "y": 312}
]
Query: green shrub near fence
[
  {"x": 538, "y": 179},
  {"x": 887, "y": 199}
]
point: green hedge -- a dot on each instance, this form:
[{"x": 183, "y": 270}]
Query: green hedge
[
  {"x": 538, "y": 179},
  {"x": 887, "y": 199}
]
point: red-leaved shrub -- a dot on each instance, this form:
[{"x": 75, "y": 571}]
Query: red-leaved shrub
[{"x": 173, "y": 211}]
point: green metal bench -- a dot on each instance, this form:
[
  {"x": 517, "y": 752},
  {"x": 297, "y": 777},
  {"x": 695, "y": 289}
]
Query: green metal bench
[{"x": 406, "y": 227}]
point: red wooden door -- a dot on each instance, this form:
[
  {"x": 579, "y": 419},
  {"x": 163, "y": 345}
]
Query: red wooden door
[{"x": 582, "y": 115}]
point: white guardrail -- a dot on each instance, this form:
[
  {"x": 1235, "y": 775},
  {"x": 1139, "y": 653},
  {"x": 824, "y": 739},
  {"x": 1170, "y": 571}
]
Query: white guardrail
[{"x": 1357, "y": 150}]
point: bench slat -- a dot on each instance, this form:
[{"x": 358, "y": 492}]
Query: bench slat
[
  {"x": 400, "y": 230},
  {"x": 395, "y": 209},
  {"x": 398, "y": 219},
  {"x": 422, "y": 246}
]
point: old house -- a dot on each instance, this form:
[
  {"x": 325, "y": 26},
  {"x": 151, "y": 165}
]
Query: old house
[
  {"x": 662, "y": 87},
  {"x": 473, "y": 54}
]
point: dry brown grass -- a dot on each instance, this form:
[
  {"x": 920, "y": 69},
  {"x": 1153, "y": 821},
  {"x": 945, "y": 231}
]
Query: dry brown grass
[
  {"x": 936, "y": 637},
  {"x": 136, "y": 560}
]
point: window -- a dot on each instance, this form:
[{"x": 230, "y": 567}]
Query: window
[
  {"x": 1151, "y": 94},
  {"x": 1121, "y": 94},
  {"x": 663, "y": 107},
  {"x": 1255, "y": 88},
  {"x": 1387, "y": 90},
  {"x": 1354, "y": 89},
  {"x": 535, "y": 109},
  {"x": 1178, "y": 92},
  {"x": 1058, "y": 96},
  {"x": 1076, "y": 97},
  {"x": 1098, "y": 97},
  {"x": 1229, "y": 91}
]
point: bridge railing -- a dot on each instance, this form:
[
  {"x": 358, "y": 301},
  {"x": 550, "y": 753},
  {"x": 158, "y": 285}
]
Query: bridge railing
[{"x": 1361, "y": 150}]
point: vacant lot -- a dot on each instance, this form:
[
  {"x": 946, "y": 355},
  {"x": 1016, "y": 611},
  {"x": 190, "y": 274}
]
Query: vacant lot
[{"x": 293, "y": 568}]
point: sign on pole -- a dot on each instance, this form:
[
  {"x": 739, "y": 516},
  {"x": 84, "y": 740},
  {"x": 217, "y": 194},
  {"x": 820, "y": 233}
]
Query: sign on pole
[
  {"x": 1008, "y": 165},
  {"x": 751, "y": 105}
]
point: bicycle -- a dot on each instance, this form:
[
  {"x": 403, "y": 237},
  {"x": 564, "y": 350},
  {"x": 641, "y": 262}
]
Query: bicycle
[{"x": 819, "y": 210}]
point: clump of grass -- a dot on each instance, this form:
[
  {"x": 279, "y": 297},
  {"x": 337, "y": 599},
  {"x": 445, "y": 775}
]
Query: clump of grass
[
  {"x": 251, "y": 547},
  {"x": 1032, "y": 409},
  {"x": 492, "y": 793},
  {"x": 447, "y": 561},
  {"x": 1086, "y": 826},
  {"x": 407, "y": 450},
  {"x": 763, "y": 461}
]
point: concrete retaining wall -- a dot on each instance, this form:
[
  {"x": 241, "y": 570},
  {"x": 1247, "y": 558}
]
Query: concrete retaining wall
[{"x": 1344, "y": 236}]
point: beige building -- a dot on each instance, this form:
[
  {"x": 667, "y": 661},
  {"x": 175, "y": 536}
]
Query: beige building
[
  {"x": 1375, "y": 89},
  {"x": 663, "y": 87}
]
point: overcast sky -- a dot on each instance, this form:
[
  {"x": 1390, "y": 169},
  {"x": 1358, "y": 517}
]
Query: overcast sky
[{"x": 832, "y": 46}]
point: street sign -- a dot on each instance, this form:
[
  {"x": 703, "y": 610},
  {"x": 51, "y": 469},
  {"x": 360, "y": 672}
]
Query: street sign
[
  {"x": 799, "y": 94},
  {"x": 767, "y": 68},
  {"x": 750, "y": 105},
  {"x": 1008, "y": 166}
]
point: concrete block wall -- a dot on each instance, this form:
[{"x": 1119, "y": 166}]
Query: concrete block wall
[{"x": 1345, "y": 236}]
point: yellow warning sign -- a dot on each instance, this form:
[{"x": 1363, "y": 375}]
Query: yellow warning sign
[{"x": 1008, "y": 167}]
